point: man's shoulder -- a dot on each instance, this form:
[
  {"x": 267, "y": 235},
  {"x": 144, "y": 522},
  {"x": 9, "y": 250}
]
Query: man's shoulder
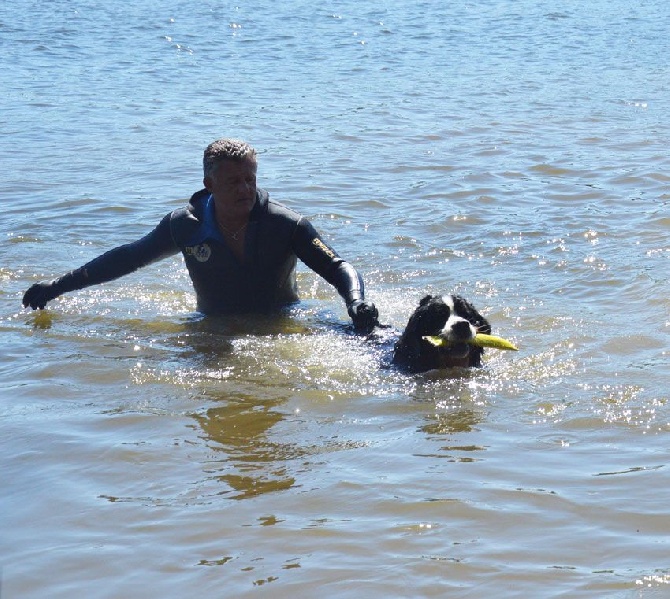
[
  {"x": 187, "y": 220},
  {"x": 279, "y": 209},
  {"x": 185, "y": 214},
  {"x": 196, "y": 205},
  {"x": 193, "y": 210}
]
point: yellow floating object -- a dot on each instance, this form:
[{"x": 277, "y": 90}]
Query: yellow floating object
[
  {"x": 480, "y": 340},
  {"x": 42, "y": 319}
]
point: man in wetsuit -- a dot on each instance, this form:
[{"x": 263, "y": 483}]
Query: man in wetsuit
[{"x": 240, "y": 247}]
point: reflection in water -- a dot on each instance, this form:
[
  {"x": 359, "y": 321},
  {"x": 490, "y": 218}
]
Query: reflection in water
[
  {"x": 458, "y": 421},
  {"x": 459, "y": 396},
  {"x": 239, "y": 428},
  {"x": 445, "y": 426},
  {"x": 251, "y": 367},
  {"x": 252, "y": 464}
]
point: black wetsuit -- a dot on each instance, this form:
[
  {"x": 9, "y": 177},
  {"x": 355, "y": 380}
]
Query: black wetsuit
[{"x": 275, "y": 237}]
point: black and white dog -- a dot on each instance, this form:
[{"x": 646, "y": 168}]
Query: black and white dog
[{"x": 449, "y": 316}]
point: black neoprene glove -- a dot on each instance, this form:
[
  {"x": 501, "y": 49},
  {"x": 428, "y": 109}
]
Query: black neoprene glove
[
  {"x": 39, "y": 294},
  {"x": 364, "y": 316}
]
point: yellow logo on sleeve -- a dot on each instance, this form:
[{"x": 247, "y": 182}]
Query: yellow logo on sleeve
[{"x": 323, "y": 247}]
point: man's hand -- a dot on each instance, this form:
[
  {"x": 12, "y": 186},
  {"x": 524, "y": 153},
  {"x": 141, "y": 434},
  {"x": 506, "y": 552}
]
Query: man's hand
[
  {"x": 39, "y": 294},
  {"x": 364, "y": 316}
]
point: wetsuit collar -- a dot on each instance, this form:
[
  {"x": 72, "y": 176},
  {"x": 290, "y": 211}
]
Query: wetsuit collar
[
  {"x": 210, "y": 229},
  {"x": 262, "y": 198}
]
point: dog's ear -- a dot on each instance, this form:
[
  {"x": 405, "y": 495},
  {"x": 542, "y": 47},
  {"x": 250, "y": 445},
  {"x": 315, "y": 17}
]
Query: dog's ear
[
  {"x": 466, "y": 310},
  {"x": 425, "y": 300}
]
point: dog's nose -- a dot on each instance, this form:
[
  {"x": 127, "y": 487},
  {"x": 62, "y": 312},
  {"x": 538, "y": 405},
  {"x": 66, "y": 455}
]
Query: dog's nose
[{"x": 461, "y": 329}]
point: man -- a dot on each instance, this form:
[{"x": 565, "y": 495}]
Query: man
[{"x": 240, "y": 247}]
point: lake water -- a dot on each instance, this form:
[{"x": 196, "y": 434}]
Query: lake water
[{"x": 513, "y": 152}]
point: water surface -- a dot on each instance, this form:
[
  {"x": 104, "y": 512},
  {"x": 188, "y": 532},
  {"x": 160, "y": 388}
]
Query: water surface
[{"x": 515, "y": 153}]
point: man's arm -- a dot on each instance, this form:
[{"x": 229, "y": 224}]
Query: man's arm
[
  {"x": 111, "y": 265},
  {"x": 325, "y": 261}
]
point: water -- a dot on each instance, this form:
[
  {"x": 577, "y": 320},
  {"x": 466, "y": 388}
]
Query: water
[{"x": 515, "y": 153}]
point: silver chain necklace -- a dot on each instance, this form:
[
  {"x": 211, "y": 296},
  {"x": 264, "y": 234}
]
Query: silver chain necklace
[{"x": 233, "y": 234}]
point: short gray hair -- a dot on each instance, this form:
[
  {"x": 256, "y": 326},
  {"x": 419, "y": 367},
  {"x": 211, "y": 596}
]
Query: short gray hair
[{"x": 226, "y": 149}]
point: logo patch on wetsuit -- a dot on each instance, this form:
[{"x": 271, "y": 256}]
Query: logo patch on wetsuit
[
  {"x": 200, "y": 252},
  {"x": 323, "y": 247}
]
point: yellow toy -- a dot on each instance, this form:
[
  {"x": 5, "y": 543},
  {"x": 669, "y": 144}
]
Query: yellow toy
[{"x": 479, "y": 340}]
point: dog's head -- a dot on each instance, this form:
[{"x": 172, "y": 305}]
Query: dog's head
[{"x": 449, "y": 316}]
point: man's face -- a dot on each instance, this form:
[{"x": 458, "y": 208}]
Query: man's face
[{"x": 233, "y": 187}]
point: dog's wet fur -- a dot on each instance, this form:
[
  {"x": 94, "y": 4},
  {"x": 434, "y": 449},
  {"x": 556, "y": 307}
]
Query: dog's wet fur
[{"x": 449, "y": 316}]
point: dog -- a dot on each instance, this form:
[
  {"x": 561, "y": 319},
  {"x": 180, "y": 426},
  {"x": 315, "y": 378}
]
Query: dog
[{"x": 449, "y": 316}]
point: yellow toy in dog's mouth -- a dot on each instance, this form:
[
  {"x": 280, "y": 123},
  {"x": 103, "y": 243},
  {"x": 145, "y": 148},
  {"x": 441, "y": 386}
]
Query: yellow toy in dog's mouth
[{"x": 480, "y": 340}]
